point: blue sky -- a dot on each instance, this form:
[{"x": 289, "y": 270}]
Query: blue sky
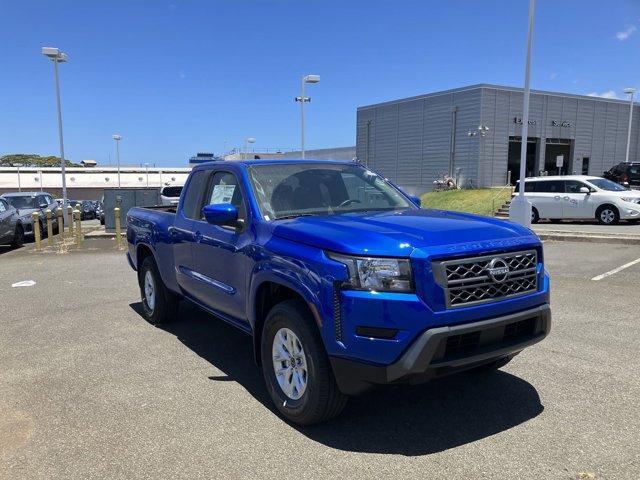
[{"x": 176, "y": 77}]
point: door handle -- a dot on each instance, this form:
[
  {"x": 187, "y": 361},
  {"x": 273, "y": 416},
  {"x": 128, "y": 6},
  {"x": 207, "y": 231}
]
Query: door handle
[
  {"x": 565, "y": 198},
  {"x": 557, "y": 197},
  {"x": 197, "y": 236}
]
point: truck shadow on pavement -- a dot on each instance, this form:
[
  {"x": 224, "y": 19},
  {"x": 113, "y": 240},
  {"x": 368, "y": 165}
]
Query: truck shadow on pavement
[{"x": 405, "y": 420}]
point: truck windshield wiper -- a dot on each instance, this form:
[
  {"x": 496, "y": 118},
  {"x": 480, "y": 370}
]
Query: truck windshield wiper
[{"x": 295, "y": 215}]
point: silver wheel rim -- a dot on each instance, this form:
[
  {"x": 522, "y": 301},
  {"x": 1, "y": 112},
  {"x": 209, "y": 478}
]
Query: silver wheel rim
[
  {"x": 149, "y": 291},
  {"x": 289, "y": 363},
  {"x": 607, "y": 216}
]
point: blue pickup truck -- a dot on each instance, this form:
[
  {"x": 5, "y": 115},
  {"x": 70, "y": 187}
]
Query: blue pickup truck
[{"x": 343, "y": 282}]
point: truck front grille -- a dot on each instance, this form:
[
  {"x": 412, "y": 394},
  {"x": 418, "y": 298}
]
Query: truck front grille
[{"x": 474, "y": 280}]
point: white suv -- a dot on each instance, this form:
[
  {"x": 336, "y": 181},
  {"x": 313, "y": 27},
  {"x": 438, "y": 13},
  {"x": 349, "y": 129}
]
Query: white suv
[{"x": 581, "y": 197}]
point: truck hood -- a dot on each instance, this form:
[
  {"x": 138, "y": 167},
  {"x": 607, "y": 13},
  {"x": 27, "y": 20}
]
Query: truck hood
[{"x": 397, "y": 233}]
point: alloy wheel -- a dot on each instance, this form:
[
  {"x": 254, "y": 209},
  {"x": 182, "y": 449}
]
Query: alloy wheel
[
  {"x": 149, "y": 290},
  {"x": 607, "y": 216},
  {"x": 289, "y": 363}
]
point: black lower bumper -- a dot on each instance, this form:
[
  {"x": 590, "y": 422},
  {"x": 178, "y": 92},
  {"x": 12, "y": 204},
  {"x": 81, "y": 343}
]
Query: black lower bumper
[{"x": 445, "y": 350}]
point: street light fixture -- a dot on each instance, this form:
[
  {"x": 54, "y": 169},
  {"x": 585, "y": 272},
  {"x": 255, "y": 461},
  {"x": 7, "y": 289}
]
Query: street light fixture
[
  {"x": 117, "y": 138},
  {"x": 57, "y": 57},
  {"x": 520, "y": 208},
  {"x": 302, "y": 99},
  {"x": 247, "y": 141},
  {"x": 630, "y": 92}
]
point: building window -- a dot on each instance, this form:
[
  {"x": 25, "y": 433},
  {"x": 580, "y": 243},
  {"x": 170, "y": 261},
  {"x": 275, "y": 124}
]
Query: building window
[{"x": 585, "y": 165}]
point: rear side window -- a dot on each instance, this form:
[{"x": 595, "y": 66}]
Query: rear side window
[
  {"x": 171, "y": 191},
  {"x": 550, "y": 186},
  {"x": 193, "y": 196},
  {"x": 3, "y": 207},
  {"x": 531, "y": 186}
]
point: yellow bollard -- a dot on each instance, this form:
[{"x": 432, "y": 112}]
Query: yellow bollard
[
  {"x": 49, "y": 216},
  {"x": 60, "y": 224},
  {"x": 70, "y": 218},
  {"x": 76, "y": 214},
  {"x": 35, "y": 220},
  {"x": 116, "y": 212}
]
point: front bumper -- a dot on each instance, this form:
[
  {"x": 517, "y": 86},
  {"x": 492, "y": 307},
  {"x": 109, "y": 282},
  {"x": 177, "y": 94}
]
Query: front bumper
[{"x": 444, "y": 350}]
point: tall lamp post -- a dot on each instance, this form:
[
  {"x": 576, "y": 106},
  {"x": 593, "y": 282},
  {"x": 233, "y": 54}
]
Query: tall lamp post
[
  {"x": 302, "y": 99},
  {"x": 57, "y": 57},
  {"x": 630, "y": 92},
  {"x": 117, "y": 138},
  {"x": 520, "y": 208},
  {"x": 247, "y": 141}
]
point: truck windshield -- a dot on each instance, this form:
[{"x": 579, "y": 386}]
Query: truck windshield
[{"x": 285, "y": 191}]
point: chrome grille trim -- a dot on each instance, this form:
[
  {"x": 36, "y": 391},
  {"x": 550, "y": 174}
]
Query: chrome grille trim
[{"x": 467, "y": 281}]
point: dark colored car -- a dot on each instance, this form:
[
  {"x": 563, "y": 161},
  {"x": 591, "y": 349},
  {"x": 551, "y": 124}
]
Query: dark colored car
[
  {"x": 87, "y": 210},
  {"x": 98, "y": 207},
  {"x": 28, "y": 202},
  {"x": 11, "y": 229},
  {"x": 627, "y": 174}
]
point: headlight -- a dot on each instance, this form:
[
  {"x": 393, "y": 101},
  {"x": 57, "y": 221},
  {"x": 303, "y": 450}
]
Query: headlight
[
  {"x": 379, "y": 274},
  {"x": 631, "y": 199}
]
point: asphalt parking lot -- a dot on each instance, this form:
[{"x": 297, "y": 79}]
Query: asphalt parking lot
[{"x": 88, "y": 389}]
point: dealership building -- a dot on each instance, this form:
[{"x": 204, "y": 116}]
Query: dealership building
[{"x": 474, "y": 134}]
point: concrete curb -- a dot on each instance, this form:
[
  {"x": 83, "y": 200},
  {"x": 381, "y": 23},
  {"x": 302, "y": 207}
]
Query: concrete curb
[{"x": 589, "y": 238}]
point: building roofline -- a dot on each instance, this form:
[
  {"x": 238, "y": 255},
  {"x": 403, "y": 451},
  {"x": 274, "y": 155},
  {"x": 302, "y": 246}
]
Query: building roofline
[{"x": 481, "y": 86}]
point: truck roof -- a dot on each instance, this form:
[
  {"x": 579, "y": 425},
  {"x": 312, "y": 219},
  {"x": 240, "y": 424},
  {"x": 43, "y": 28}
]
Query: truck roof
[{"x": 278, "y": 161}]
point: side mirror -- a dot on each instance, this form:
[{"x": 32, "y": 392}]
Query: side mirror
[
  {"x": 220, "y": 213},
  {"x": 585, "y": 190},
  {"x": 415, "y": 200},
  {"x": 43, "y": 205}
]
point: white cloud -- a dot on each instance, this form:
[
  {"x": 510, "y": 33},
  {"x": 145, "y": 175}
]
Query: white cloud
[
  {"x": 622, "y": 35},
  {"x": 607, "y": 94}
]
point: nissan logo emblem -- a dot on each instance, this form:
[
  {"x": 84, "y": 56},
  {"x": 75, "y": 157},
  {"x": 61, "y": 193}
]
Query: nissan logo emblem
[{"x": 498, "y": 270}]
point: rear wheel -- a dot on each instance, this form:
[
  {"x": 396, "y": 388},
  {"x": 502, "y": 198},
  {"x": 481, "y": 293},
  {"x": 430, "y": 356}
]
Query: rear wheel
[
  {"x": 296, "y": 368},
  {"x": 535, "y": 216},
  {"x": 607, "y": 215},
  {"x": 18, "y": 237},
  {"x": 159, "y": 304}
]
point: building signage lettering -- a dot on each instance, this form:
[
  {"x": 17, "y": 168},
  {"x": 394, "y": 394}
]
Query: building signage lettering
[
  {"x": 556, "y": 123},
  {"x": 518, "y": 120}
]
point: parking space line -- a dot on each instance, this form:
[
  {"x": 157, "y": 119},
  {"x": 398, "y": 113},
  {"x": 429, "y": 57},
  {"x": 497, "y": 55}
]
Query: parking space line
[{"x": 616, "y": 270}]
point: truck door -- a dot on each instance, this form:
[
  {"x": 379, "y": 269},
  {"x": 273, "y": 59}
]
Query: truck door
[
  {"x": 181, "y": 233},
  {"x": 219, "y": 250}
]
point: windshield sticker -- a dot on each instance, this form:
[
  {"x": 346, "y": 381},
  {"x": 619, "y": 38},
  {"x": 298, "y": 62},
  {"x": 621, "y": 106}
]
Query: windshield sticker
[{"x": 222, "y": 194}]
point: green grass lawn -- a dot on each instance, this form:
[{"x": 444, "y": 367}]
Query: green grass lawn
[{"x": 472, "y": 201}]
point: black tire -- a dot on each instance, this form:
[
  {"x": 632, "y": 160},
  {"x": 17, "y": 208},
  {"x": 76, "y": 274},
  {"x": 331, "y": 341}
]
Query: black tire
[
  {"x": 321, "y": 399},
  {"x": 18, "y": 237},
  {"x": 164, "y": 306},
  {"x": 607, "y": 215},
  {"x": 101, "y": 220},
  {"x": 491, "y": 366},
  {"x": 43, "y": 231},
  {"x": 535, "y": 216}
]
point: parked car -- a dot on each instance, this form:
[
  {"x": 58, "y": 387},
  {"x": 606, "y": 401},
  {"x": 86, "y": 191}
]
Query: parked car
[
  {"x": 170, "y": 195},
  {"x": 581, "y": 197},
  {"x": 87, "y": 210},
  {"x": 99, "y": 211},
  {"x": 11, "y": 229},
  {"x": 627, "y": 174},
  {"x": 28, "y": 202},
  {"x": 340, "y": 278}
]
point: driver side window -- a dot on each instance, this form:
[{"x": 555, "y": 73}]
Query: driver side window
[{"x": 225, "y": 188}]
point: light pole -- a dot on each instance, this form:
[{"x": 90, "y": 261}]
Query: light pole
[
  {"x": 302, "y": 99},
  {"x": 117, "y": 138},
  {"x": 18, "y": 165},
  {"x": 630, "y": 92},
  {"x": 56, "y": 57},
  {"x": 520, "y": 208},
  {"x": 247, "y": 141}
]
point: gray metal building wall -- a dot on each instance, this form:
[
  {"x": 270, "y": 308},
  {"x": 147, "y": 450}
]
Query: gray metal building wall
[{"x": 410, "y": 141}]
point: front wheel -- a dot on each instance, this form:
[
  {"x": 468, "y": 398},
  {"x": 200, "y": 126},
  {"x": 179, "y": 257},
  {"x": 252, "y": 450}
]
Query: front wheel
[
  {"x": 18, "y": 237},
  {"x": 535, "y": 216},
  {"x": 159, "y": 304},
  {"x": 607, "y": 215},
  {"x": 296, "y": 368}
]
